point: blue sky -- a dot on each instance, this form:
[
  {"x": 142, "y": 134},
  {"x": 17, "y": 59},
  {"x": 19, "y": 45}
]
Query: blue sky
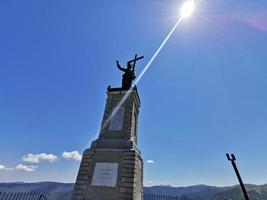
[{"x": 203, "y": 96}]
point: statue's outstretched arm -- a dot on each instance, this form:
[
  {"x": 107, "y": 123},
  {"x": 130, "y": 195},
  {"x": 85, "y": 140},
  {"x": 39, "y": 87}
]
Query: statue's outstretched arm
[{"x": 119, "y": 66}]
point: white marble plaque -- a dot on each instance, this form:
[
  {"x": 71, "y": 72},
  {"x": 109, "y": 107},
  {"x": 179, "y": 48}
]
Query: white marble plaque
[
  {"x": 105, "y": 174},
  {"x": 116, "y": 122}
]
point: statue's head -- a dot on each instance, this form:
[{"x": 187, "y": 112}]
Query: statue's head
[{"x": 129, "y": 65}]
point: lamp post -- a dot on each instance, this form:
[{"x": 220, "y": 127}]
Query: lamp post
[{"x": 233, "y": 159}]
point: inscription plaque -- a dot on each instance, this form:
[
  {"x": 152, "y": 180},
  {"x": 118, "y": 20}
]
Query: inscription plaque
[
  {"x": 105, "y": 174},
  {"x": 116, "y": 121}
]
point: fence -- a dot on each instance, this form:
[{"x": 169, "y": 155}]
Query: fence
[
  {"x": 35, "y": 195},
  {"x": 67, "y": 196},
  {"x": 164, "y": 197}
]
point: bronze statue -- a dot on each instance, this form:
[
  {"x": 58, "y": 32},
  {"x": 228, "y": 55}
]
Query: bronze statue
[{"x": 129, "y": 74}]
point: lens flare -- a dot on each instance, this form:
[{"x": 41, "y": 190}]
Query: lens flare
[
  {"x": 143, "y": 72},
  {"x": 187, "y": 9}
]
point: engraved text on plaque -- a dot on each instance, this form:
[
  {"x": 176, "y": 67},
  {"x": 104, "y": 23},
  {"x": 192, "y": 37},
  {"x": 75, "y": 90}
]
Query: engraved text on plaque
[{"x": 105, "y": 174}]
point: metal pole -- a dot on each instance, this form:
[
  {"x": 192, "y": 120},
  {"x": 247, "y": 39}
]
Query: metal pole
[{"x": 232, "y": 159}]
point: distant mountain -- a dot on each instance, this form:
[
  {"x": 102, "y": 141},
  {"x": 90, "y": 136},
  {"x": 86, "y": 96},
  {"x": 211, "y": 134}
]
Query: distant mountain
[
  {"x": 205, "y": 192},
  {"x": 36, "y": 187},
  {"x": 197, "y": 192}
]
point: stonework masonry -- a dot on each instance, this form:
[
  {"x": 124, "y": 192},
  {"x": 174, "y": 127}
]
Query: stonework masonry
[{"x": 116, "y": 144}]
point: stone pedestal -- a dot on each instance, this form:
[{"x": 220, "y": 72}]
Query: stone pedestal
[{"x": 112, "y": 168}]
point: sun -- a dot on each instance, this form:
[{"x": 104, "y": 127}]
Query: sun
[{"x": 187, "y": 9}]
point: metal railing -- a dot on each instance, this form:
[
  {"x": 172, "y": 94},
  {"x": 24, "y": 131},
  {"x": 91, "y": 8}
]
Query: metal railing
[
  {"x": 67, "y": 196},
  {"x": 35, "y": 195},
  {"x": 164, "y": 197}
]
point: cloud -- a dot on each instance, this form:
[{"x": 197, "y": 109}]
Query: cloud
[
  {"x": 4, "y": 168},
  {"x": 36, "y": 158},
  {"x": 74, "y": 155},
  {"x": 26, "y": 168},
  {"x": 150, "y": 161}
]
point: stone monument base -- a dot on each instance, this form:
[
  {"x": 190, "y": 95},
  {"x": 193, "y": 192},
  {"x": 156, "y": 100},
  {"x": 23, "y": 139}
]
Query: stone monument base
[
  {"x": 112, "y": 168},
  {"x": 110, "y": 174}
]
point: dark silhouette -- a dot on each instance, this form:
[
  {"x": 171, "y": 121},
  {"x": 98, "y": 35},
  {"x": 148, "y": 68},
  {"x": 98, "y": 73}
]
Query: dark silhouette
[
  {"x": 232, "y": 159},
  {"x": 129, "y": 74},
  {"x": 42, "y": 197}
]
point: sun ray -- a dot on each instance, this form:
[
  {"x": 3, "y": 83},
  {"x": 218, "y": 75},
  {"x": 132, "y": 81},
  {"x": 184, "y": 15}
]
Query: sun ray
[{"x": 186, "y": 10}]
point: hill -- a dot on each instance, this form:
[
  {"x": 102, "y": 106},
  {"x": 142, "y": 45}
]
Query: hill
[
  {"x": 196, "y": 192},
  {"x": 36, "y": 187},
  {"x": 205, "y": 192}
]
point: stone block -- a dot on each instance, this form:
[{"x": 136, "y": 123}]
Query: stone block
[
  {"x": 128, "y": 190},
  {"x": 128, "y": 180}
]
